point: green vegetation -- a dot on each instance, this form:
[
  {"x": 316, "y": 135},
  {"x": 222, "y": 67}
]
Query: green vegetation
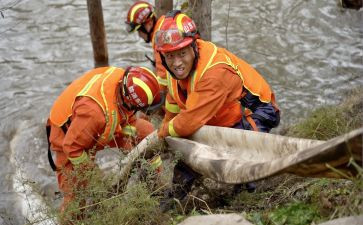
[
  {"x": 293, "y": 200},
  {"x": 100, "y": 202},
  {"x": 331, "y": 121},
  {"x": 278, "y": 200},
  {"x": 300, "y": 201},
  {"x": 295, "y": 214},
  {"x": 289, "y": 199}
]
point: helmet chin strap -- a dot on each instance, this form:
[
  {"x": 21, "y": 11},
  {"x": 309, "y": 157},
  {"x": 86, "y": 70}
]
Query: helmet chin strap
[
  {"x": 121, "y": 90},
  {"x": 195, "y": 62},
  {"x": 119, "y": 97},
  {"x": 148, "y": 37},
  {"x": 158, "y": 105}
]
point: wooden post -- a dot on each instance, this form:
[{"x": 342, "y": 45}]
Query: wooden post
[
  {"x": 163, "y": 6},
  {"x": 98, "y": 35},
  {"x": 201, "y": 13}
]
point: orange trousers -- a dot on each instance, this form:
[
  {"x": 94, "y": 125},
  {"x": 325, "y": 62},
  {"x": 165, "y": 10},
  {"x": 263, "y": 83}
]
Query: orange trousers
[{"x": 65, "y": 167}]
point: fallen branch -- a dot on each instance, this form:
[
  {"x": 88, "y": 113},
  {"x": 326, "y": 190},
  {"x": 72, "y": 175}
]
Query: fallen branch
[{"x": 140, "y": 149}]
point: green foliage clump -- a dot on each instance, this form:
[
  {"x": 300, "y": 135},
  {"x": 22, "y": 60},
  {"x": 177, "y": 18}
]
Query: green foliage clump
[
  {"x": 297, "y": 213},
  {"x": 337, "y": 198},
  {"x": 323, "y": 124},
  {"x": 331, "y": 121},
  {"x": 312, "y": 199},
  {"x": 100, "y": 202},
  {"x": 302, "y": 200},
  {"x": 134, "y": 207}
]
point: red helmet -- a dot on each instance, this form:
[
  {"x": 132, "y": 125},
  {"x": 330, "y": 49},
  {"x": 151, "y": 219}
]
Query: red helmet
[
  {"x": 176, "y": 32},
  {"x": 138, "y": 14},
  {"x": 140, "y": 89}
]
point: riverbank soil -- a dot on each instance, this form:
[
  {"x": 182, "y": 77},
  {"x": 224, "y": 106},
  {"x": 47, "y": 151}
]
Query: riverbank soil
[
  {"x": 281, "y": 199},
  {"x": 289, "y": 199}
]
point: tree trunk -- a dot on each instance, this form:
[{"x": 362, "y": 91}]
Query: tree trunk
[
  {"x": 352, "y": 4},
  {"x": 163, "y": 6},
  {"x": 201, "y": 13},
  {"x": 98, "y": 35}
]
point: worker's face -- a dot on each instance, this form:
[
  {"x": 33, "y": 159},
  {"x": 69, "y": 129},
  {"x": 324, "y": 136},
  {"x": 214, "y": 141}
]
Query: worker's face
[
  {"x": 180, "y": 62},
  {"x": 148, "y": 27},
  {"x": 143, "y": 35}
]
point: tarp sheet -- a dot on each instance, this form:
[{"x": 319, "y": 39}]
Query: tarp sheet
[{"x": 237, "y": 156}]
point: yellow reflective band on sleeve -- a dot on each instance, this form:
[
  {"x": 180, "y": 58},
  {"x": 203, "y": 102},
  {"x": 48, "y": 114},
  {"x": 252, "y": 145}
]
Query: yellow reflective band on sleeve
[
  {"x": 80, "y": 159},
  {"x": 171, "y": 129},
  {"x": 173, "y": 108},
  {"x": 134, "y": 10},
  {"x": 143, "y": 85},
  {"x": 129, "y": 130},
  {"x": 162, "y": 81},
  {"x": 155, "y": 162}
]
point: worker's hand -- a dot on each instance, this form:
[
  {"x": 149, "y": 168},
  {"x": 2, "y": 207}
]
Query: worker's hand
[{"x": 163, "y": 130}]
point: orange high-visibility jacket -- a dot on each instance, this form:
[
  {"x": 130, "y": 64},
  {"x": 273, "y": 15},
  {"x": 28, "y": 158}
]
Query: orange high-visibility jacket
[
  {"x": 159, "y": 68},
  {"x": 100, "y": 85},
  {"x": 211, "y": 59}
]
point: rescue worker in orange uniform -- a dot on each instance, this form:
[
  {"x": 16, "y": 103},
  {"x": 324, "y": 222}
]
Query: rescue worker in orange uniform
[
  {"x": 95, "y": 111},
  {"x": 141, "y": 17},
  {"x": 208, "y": 85}
]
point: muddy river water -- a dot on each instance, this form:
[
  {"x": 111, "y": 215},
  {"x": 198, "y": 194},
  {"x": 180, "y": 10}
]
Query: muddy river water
[{"x": 310, "y": 51}]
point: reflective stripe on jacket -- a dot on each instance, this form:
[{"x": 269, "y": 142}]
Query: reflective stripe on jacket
[
  {"x": 210, "y": 56},
  {"x": 100, "y": 85}
]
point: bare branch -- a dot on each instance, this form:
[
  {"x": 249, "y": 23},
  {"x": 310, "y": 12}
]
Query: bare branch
[
  {"x": 229, "y": 8},
  {"x": 11, "y": 5}
]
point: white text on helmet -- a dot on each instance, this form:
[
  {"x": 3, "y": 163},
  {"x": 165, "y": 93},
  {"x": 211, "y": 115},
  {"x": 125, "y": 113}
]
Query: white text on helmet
[
  {"x": 135, "y": 97},
  {"x": 142, "y": 15},
  {"x": 188, "y": 27}
]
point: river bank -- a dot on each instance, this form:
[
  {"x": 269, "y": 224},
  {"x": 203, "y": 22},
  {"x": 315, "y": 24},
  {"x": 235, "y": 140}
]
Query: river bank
[{"x": 282, "y": 199}]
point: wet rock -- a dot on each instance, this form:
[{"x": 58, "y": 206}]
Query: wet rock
[
  {"x": 49, "y": 190},
  {"x": 108, "y": 160},
  {"x": 216, "y": 219},
  {"x": 351, "y": 220}
]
